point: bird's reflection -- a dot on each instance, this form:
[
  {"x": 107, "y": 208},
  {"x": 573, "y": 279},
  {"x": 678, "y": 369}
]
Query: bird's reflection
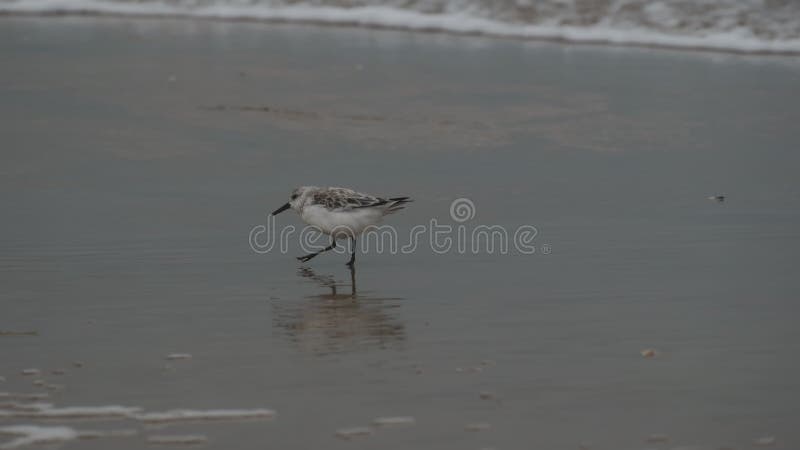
[
  {"x": 340, "y": 318},
  {"x": 330, "y": 282}
]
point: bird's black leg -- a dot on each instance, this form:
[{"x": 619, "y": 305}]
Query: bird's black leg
[
  {"x": 352, "y": 280},
  {"x": 352, "y": 253},
  {"x": 308, "y": 257}
]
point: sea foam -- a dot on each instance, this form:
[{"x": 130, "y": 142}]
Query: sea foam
[
  {"x": 33, "y": 434},
  {"x": 727, "y": 25},
  {"x": 191, "y": 415},
  {"x": 47, "y": 411}
]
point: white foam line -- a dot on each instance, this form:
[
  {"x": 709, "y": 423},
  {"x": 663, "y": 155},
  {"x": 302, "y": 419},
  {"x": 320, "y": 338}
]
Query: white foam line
[
  {"x": 74, "y": 412},
  {"x": 189, "y": 415},
  {"x": 740, "y": 40},
  {"x": 19, "y": 396},
  {"x": 107, "y": 433},
  {"x": 353, "y": 432},
  {"x": 189, "y": 439},
  {"x": 393, "y": 421},
  {"x": 38, "y": 406},
  {"x": 32, "y": 434}
]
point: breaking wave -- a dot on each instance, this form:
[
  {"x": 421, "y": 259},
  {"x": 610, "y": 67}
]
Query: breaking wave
[{"x": 764, "y": 26}]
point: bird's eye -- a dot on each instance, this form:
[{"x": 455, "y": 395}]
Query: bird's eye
[{"x": 294, "y": 196}]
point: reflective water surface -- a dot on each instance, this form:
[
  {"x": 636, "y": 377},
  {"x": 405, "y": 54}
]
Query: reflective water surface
[{"x": 137, "y": 156}]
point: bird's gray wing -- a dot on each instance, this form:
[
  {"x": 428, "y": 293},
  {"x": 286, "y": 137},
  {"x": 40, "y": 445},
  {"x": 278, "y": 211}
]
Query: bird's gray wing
[{"x": 346, "y": 199}]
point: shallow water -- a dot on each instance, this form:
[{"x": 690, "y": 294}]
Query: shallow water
[{"x": 138, "y": 155}]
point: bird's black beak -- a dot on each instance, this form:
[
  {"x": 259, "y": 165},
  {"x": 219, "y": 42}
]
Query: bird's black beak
[{"x": 281, "y": 209}]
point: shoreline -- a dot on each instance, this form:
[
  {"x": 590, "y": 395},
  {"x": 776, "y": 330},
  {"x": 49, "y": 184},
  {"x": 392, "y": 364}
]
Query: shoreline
[{"x": 429, "y": 29}]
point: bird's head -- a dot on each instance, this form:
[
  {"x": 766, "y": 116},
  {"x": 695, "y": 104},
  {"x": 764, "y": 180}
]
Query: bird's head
[{"x": 297, "y": 199}]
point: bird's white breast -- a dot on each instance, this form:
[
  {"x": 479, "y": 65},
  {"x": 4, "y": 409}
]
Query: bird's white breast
[{"x": 341, "y": 223}]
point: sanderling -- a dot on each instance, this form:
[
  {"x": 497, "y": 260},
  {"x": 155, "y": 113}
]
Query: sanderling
[{"x": 340, "y": 213}]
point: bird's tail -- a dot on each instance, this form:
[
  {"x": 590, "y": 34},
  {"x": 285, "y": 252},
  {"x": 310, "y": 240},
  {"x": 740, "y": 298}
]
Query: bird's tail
[{"x": 397, "y": 203}]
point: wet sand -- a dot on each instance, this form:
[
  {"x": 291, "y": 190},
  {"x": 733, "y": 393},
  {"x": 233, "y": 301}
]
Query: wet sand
[{"x": 138, "y": 154}]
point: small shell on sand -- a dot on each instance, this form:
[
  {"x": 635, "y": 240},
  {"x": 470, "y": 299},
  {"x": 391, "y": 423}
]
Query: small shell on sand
[
  {"x": 177, "y": 356},
  {"x": 31, "y": 372},
  {"x": 354, "y": 432},
  {"x": 657, "y": 438},
  {"x": 77, "y": 364},
  {"x": 649, "y": 353},
  {"x": 487, "y": 362},
  {"x": 393, "y": 421},
  {"x": 39, "y": 382},
  {"x": 765, "y": 441},
  {"x": 58, "y": 371},
  {"x": 477, "y": 427},
  {"x": 188, "y": 439},
  {"x": 486, "y": 395}
]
